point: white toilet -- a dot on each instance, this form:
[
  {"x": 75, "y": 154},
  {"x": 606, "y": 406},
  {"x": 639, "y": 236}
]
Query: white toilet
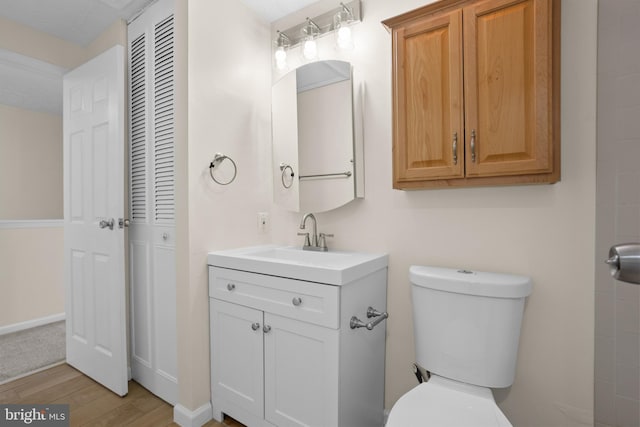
[{"x": 466, "y": 326}]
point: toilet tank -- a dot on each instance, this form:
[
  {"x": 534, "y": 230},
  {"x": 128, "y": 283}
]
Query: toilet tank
[{"x": 467, "y": 323}]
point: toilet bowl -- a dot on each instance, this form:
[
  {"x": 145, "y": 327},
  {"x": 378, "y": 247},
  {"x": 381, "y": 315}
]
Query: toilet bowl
[
  {"x": 467, "y": 328},
  {"x": 440, "y": 402}
]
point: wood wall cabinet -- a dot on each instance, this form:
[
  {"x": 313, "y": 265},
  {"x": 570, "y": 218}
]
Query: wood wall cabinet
[{"x": 476, "y": 97}]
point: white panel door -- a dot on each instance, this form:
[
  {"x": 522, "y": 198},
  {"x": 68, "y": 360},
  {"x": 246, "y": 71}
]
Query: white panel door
[
  {"x": 94, "y": 193},
  {"x": 152, "y": 230},
  {"x": 300, "y": 373}
]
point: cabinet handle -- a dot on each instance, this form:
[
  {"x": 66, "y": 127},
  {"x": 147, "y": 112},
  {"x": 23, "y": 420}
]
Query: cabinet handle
[
  {"x": 371, "y": 312},
  {"x": 296, "y": 301},
  {"x": 455, "y": 148},
  {"x": 231, "y": 286},
  {"x": 266, "y": 329},
  {"x": 473, "y": 145},
  {"x": 255, "y": 326}
]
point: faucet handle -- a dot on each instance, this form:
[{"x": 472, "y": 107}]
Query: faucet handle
[
  {"x": 323, "y": 241},
  {"x": 307, "y": 242}
]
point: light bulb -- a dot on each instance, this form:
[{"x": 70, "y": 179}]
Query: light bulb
[
  {"x": 281, "y": 58},
  {"x": 344, "y": 38},
  {"x": 281, "y": 55},
  {"x": 310, "y": 50}
]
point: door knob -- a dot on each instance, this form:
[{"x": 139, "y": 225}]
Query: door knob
[
  {"x": 106, "y": 223},
  {"x": 266, "y": 329},
  {"x": 255, "y": 326},
  {"x": 624, "y": 262},
  {"x": 614, "y": 261}
]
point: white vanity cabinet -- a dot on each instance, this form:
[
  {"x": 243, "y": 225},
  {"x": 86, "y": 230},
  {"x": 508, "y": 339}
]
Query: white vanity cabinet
[{"x": 283, "y": 353}]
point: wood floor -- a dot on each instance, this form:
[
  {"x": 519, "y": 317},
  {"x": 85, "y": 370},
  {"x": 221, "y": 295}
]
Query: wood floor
[{"x": 90, "y": 404}]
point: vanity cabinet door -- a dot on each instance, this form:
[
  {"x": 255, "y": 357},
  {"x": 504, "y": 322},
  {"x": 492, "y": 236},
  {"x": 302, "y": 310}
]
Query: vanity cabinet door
[
  {"x": 236, "y": 359},
  {"x": 301, "y": 373}
]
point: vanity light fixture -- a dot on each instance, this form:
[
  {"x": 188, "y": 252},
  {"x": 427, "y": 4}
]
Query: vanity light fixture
[
  {"x": 342, "y": 25},
  {"x": 282, "y": 44},
  {"x": 310, "y": 47},
  {"x": 306, "y": 34}
]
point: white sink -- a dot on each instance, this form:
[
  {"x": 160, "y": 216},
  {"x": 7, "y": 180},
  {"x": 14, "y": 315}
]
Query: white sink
[{"x": 332, "y": 267}]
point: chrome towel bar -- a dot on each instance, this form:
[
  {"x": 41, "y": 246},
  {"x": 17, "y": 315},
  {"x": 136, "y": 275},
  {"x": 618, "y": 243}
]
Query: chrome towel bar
[{"x": 346, "y": 174}]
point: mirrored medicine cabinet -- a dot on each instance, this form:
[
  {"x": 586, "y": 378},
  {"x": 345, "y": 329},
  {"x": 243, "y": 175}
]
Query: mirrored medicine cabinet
[{"x": 317, "y": 138}]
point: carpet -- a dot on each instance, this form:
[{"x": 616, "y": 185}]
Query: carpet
[{"x": 31, "y": 350}]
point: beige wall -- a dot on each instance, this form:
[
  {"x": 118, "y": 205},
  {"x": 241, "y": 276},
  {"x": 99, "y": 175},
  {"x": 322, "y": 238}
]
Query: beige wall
[
  {"x": 546, "y": 232},
  {"x": 36, "y": 44},
  {"x": 30, "y": 274},
  {"x": 31, "y": 150},
  {"x": 114, "y": 35},
  {"x": 29, "y": 42},
  {"x": 31, "y": 187},
  {"x": 229, "y": 90},
  {"x": 30, "y": 164}
]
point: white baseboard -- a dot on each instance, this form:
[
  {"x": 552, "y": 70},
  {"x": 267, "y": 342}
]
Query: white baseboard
[
  {"x": 31, "y": 323},
  {"x": 187, "y": 418}
]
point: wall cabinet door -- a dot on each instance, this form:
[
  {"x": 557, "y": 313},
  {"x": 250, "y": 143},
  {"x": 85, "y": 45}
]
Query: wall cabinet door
[
  {"x": 507, "y": 71},
  {"x": 236, "y": 364},
  {"x": 301, "y": 373},
  {"x": 476, "y": 93},
  {"x": 429, "y": 132}
]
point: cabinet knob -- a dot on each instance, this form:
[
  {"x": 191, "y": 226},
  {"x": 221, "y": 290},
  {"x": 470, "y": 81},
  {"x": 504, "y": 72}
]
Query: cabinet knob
[
  {"x": 296, "y": 301},
  {"x": 266, "y": 329},
  {"x": 231, "y": 286},
  {"x": 255, "y": 326}
]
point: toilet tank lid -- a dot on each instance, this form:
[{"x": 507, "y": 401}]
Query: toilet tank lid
[{"x": 471, "y": 282}]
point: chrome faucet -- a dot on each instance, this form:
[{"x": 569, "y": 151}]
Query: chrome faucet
[
  {"x": 314, "y": 235},
  {"x": 315, "y": 242}
]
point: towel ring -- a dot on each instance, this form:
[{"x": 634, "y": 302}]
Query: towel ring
[
  {"x": 283, "y": 168},
  {"x": 217, "y": 159}
]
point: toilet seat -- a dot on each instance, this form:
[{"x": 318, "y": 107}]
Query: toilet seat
[{"x": 441, "y": 402}]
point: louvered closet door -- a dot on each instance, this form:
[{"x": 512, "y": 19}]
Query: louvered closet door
[{"x": 152, "y": 206}]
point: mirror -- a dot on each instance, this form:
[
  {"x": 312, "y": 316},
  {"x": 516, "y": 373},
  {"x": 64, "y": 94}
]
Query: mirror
[{"x": 317, "y": 143}]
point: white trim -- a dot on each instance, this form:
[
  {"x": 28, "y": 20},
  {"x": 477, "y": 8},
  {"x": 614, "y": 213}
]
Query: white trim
[
  {"x": 31, "y": 223},
  {"x": 386, "y": 416},
  {"x": 27, "y": 64},
  {"x": 15, "y": 327},
  {"x": 26, "y": 374},
  {"x": 187, "y": 418}
]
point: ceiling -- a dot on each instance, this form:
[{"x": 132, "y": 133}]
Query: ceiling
[
  {"x": 81, "y": 21},
  {"x": 77, "y": 21},
  {"x": 32, "y": 84},
  {"x": 271, "y": 10}
]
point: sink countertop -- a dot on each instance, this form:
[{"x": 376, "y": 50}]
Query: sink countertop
[{"x": 332, "y": 267}]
